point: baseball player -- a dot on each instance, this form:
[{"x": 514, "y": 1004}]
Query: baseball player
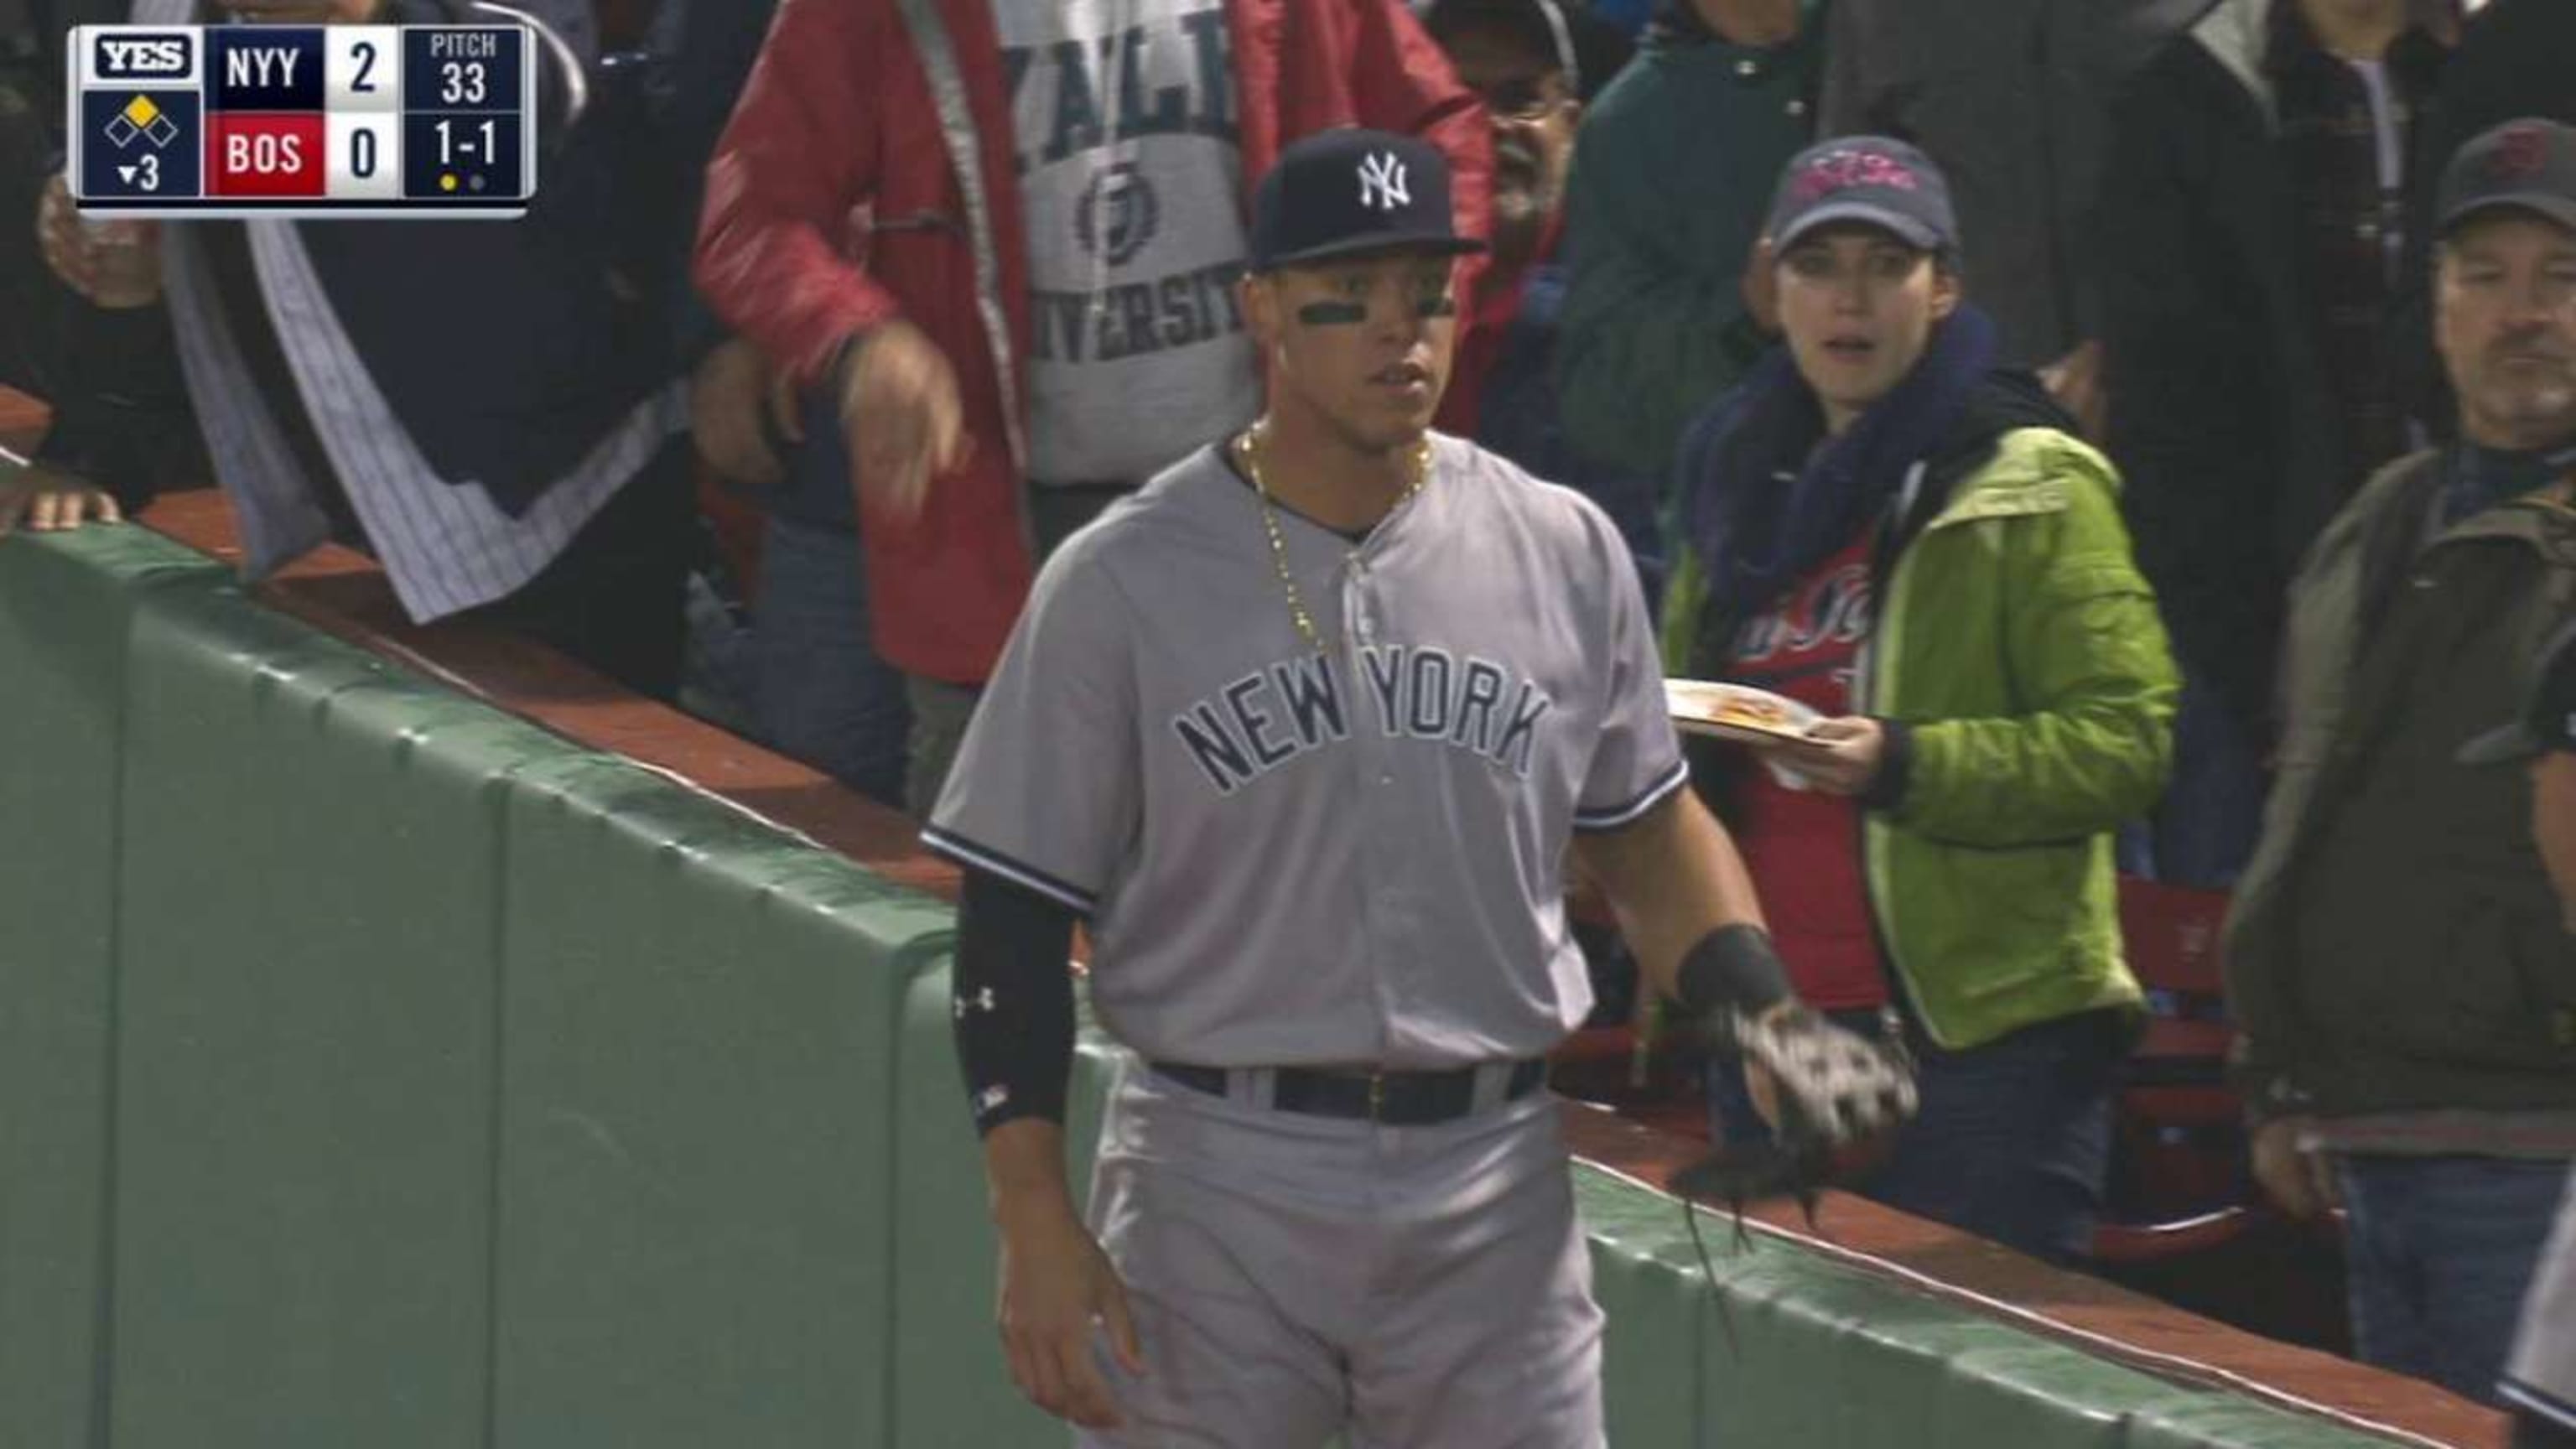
[
  {"x": 1304, "y": 729},
  {"x": 2539, "y": 1383}
]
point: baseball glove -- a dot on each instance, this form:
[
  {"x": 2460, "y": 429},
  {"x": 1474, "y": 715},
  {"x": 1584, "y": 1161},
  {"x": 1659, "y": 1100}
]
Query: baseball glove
[{"x": 1839, "y": 1095}]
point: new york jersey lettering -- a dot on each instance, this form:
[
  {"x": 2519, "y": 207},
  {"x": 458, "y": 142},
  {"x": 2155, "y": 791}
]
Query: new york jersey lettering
[{"x": 1269, "y": 717}]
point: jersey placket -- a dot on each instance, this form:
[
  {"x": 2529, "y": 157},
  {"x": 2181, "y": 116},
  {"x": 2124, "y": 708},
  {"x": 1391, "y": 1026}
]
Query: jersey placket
[{"x": 1388, "y": 827}]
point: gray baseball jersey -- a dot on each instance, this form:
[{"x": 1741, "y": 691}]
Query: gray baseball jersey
[
  {"x": 2541, "y": 1375},
  {"x": 1293, "y": 859}
]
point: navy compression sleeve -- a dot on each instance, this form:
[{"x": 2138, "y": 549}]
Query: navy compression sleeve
[{"x": 1013, "y": 1006}]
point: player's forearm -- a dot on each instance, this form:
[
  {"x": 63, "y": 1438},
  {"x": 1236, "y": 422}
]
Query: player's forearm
[
  {"x": 1024, "y": 1171},
  {"x": 1672, "y": 879}
]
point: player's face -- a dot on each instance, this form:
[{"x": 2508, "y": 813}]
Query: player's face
[
  {"x": 2506, "y": 323},
  {"x": 1858, "y": 305},
  {"x": 1362, "y": 344},
  {"x": 2553, "y": 824}
]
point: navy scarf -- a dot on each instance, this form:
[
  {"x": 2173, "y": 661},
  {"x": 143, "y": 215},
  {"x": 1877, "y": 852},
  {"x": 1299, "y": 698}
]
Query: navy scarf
[
  {"x": 2481, "y": 478},
  {"x": 1763, "y": 505}
]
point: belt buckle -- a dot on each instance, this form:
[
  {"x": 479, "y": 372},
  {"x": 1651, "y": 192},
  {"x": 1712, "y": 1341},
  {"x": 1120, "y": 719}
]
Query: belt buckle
[{"x": 1377, "y": 1095}]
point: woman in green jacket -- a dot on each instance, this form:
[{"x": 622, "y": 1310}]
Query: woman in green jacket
[{"x": 1886, "y": 529}]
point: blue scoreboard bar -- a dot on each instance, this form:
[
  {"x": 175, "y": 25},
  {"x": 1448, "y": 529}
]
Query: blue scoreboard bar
[{"x": 270, "y": 120}]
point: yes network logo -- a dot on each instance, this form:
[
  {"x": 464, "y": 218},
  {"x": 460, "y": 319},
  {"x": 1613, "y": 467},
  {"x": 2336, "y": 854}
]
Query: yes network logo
[{"x": 129, "y": 55}]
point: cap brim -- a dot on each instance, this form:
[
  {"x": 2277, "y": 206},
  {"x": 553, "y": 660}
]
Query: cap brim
[
  {"x": 2500, "y": 747},
  {"x": 1454, "y": 246},
  {"x": 1913, "y": 231},
  {"x": 2548, "y": 205}
]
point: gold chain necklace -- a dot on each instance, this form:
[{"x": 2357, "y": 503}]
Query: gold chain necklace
[{"x": 1247, "y": 450}]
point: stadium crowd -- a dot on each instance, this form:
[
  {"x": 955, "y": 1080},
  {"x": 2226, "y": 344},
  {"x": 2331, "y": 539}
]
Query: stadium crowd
[{"x": 2173, "y": 488}]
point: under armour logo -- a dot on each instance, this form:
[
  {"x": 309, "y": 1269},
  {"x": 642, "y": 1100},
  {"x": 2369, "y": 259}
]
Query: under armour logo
[
  {"x": 979, "y": 1001},
  {"x": 1382, "y": 182}
]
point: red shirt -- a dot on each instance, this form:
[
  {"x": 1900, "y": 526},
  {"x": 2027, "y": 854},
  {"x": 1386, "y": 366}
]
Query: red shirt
[
  {"x": 1494, "y": 301},
  {"x": 1802, "y": 846}
]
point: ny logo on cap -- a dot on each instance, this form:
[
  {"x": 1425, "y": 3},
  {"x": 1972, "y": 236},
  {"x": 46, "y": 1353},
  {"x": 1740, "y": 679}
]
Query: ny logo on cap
[{"x": 1382, "y": 182}]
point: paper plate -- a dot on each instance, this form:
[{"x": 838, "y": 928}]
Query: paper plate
[{"x": 1736, "y": 711}]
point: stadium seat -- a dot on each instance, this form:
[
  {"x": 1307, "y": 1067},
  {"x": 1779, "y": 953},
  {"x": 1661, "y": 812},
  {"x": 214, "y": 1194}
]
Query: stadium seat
[{"x": 2178, "y": 1181}]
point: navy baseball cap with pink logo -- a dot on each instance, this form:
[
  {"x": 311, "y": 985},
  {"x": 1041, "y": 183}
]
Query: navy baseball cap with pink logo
[
  {"x": 2527, "y": 165},
  {"x": 1872, "y": 180}
]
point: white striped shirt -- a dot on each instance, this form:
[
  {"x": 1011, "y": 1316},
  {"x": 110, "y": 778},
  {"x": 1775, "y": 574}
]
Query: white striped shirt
[{"x": 445, "y": 543}]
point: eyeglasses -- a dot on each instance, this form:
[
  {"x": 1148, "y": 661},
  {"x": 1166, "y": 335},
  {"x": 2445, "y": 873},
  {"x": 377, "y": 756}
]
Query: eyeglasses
[{"x": 1521, "y": 98}]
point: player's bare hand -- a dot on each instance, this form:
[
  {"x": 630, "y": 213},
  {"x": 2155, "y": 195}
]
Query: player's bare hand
[
  {"x": 1058, "y": 1291},
  {"x": 900, "y": 411},
  {"x": 2075, "y": 380},
  {"x": 735, "y": 399},
  {"x": 2296, "y": 1176},
  {"x": 1838, "y": 756},
  {"x": 48, "y": 501}
]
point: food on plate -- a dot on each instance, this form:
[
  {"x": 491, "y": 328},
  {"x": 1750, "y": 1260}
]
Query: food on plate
[{"x": 1735, "y": 710}]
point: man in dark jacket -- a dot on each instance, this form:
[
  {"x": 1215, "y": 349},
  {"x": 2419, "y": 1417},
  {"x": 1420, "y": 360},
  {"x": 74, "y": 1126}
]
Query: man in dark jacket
[
  {"x": 120, "y": 418},
  {"x": 1672, "y": 173},
  {"x": 2400, "y": 972},
  {"x": 2250, "y": 246}
]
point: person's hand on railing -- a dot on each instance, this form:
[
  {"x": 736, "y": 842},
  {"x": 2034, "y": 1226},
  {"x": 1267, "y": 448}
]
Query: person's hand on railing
[{"x": 49, "y": 500}]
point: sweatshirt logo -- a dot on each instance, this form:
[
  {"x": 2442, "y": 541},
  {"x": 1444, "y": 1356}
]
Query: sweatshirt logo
[{"x": 1271, "y": 716}]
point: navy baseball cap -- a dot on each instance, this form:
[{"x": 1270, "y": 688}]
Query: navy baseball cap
[
  {"x": 2548, "y": 722},
  {"x": 1347, "y": 192},
  {"x": 2527, "y": 165},
  {"x": 1872, "y": 179},
  {"x": 1589, "y": 51}
]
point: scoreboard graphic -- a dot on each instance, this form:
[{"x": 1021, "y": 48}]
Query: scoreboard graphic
[{"x": 271, "y": 120}]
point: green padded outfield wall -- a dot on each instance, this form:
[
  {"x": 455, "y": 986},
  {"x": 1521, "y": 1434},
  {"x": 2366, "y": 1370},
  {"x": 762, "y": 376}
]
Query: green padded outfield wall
[{"x": 378, "y": 1069}]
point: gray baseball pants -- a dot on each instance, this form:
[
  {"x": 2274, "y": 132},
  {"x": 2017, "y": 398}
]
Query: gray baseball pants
[{"x": 1296, "y": 1276}]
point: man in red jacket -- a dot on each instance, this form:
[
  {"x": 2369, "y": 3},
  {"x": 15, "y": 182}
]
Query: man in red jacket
[{"x": 1004, "y": 233}]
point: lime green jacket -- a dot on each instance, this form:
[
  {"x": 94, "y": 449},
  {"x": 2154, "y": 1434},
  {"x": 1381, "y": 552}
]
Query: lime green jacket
[{"x": 2020, "y": 651}]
